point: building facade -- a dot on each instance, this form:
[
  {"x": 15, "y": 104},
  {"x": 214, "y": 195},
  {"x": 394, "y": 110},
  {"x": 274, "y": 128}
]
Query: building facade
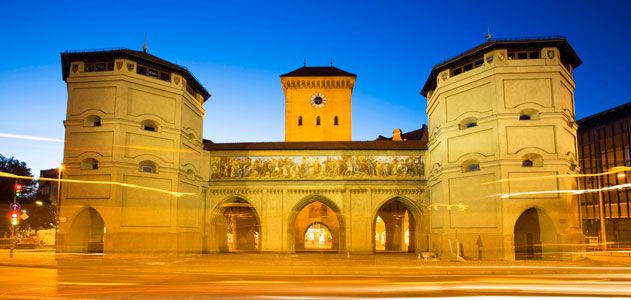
[
  {"x": 142, "y": 179},
  {"x": 604, "y": 144}
]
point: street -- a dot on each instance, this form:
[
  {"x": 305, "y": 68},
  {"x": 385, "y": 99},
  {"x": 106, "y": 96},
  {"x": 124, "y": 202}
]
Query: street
[{"x": 73, "y": 276}]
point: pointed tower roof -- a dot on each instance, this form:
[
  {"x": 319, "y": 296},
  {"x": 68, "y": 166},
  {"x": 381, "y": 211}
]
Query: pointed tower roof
[{"x": 317, "y": 71}]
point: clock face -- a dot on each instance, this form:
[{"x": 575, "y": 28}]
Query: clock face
[{"x": 318, "y": 100}]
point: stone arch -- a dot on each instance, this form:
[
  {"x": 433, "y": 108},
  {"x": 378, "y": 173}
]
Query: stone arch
[
  {"x": 414, "y": 225},
  {"x": 87, "y": 232},
  {"x": 235, "y": 226},
  {"x": 320, "y": 242},
  {"x": 298, "y": 223},
  {"x": 535, "y": 235}
]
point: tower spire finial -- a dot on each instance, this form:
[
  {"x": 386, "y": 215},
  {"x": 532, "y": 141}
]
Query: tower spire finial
[
  {"x": 331, "y": 61},
  {"x": 144, "y": 44},
  {"x": 304, "y": 64},
  {"x": 488, "y": 33}
]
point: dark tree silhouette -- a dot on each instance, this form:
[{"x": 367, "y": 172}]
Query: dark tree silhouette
[{"x": 40, "y": 217}]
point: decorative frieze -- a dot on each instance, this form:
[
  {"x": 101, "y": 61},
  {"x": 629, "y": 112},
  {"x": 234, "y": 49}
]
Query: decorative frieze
[
  {"x": 235, "y": 191},
  {"x": 316, "y": 167},
  {"x": 399, "y": 192},
  {"x": 316, "y": 191}
]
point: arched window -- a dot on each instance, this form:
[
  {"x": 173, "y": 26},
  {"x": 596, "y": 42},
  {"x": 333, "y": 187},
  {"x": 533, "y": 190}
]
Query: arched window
[
  {"x": 529, "y": 114},
  {"x": 93, "y": 121},
  {"x": 468, "y": 123},
  {"x": 300, "y": 121},
  {"x": 318, "y": 121},
  {"x": 148, "y": 166},
  {"x": 149, "y": 125},
  {"x": 532, "y": 160},
  {"x": 470, "y": 166},
  {"x": 336, "y": 121},
  {"x": 89, "y": 164}
]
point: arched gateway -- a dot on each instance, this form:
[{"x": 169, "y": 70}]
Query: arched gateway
[
  {"x": 235, "y": 227},
  {"x": 316, "y": 226},
  {"x": 535, "y": 236},
  {"x": 394, "y": 228},
  {"x": 86, "y": 232}
]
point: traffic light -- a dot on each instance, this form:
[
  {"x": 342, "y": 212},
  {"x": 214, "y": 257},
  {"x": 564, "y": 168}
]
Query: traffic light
[
  {"x": 18, "y": 190},
  {"x": 15, "y": 220}
]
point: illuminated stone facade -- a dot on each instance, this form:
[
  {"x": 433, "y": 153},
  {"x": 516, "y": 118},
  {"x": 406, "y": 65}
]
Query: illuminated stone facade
[
  {"x": 498, "y": 114},
  {"x": 318, "y": 104},
  {"x": 501, "y": 111}
]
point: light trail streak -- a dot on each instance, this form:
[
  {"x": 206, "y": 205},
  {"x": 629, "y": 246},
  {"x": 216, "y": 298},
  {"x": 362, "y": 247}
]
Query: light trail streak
[
  {"x": 614, "y": 170},
  {"x": 29, "y": 137},
  {"x": 575, "y": 192},
  {"x": 128, "y": 185}
]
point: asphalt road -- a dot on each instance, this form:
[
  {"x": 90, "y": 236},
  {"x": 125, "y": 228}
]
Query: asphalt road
[{"x": 296, "y": 276}]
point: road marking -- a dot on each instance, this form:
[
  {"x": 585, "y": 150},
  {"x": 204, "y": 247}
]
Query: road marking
[
  {"x": 253, "y": 282},
  {"x": 97, "y": 283}
]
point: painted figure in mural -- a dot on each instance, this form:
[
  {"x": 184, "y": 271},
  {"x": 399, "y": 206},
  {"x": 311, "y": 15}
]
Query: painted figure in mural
[{"x": 318, "y": 166}]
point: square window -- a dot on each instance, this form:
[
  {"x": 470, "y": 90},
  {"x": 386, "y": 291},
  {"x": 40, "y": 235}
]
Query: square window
[{"x": 141, "y": 70}]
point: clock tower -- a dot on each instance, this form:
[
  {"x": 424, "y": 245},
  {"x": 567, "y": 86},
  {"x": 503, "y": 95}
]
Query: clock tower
[{"x": 318, "y": 104}]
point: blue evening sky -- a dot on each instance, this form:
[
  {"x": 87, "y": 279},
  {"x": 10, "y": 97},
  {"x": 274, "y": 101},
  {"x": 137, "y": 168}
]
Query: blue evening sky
[{"x": 238, "y": 49}]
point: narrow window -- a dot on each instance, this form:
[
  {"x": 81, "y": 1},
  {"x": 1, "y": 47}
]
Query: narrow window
[
  {"x": 89, "y": 164},
  {"x": 147, "y": 167},
  {"x": 468, "y": 123},
  {"x": 300, "y": 121},
  {"x": 141, "y": 70},
  {"x": 149, "y": 125},
  {"x": 474, "y": 167},
  {"x": 336, "y": 121},
  {"x": 529, "y": 114},
  {"x": 318, "y": 121},
  {"x": 93, "y": 121},
  {"x": 165, "y": 76},
  {"x": 532, "y": 160},
  {"x": 470, "y": 166},
  {"x": 152, "y": 73}
]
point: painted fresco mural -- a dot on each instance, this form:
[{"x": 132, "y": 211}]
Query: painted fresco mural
[{"x": 306, "y": 167}]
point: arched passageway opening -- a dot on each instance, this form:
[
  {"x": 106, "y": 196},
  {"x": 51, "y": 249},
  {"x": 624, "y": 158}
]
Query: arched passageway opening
[
  {"x": 535, "y": 236},
  {"x": 319, "y": 237},
  {"x": 236, "y": 228},
  {"x": 317, "y": 229},
  {"x": 394, "y": 228},
  {"x": 86, "y": 232}
]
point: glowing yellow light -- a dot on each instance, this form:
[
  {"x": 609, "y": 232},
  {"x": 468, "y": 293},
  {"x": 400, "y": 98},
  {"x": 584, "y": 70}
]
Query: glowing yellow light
[
  {"x": 614, "y": 170},
  {"x": 128, "y": 185},
  {"x": 40, "y": 203},
  {"x": 575, "y": 192},
  {"x": 61, "y": 167},
  {"x": 621, "y": 175}
]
